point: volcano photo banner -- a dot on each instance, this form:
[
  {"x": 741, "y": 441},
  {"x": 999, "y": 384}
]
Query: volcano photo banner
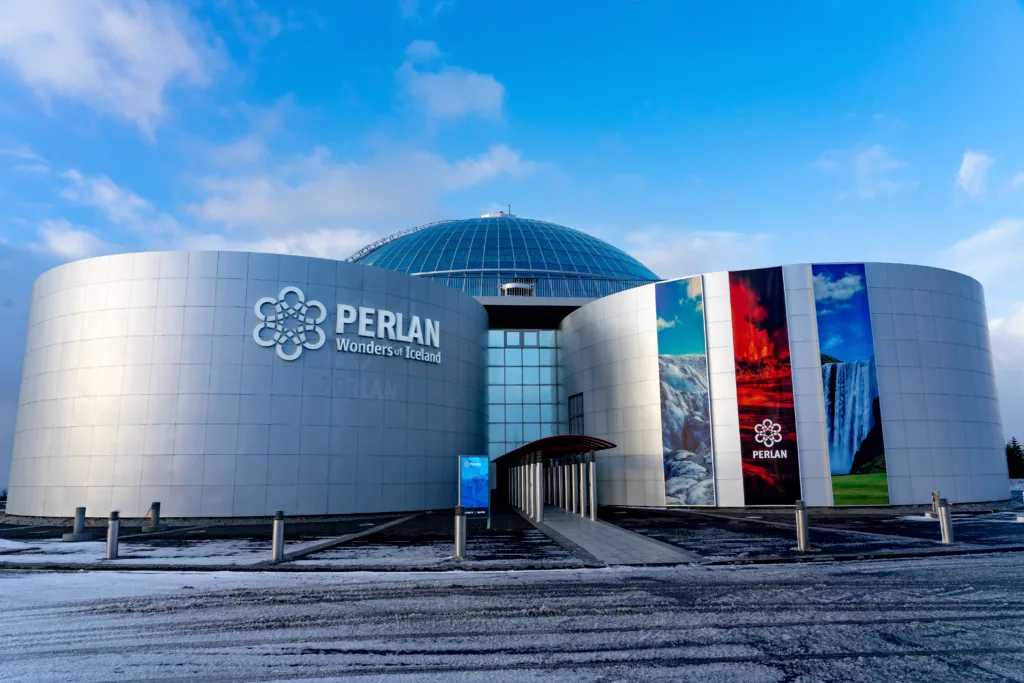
[
  {"x": 685, "y": 406},
  {"x": 853, "y": 417},
  {"x": 764, "y": 387}
]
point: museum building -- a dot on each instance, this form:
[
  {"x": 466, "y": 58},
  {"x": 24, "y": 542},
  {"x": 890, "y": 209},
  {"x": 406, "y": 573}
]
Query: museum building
[{"x": 237, "y": 384}]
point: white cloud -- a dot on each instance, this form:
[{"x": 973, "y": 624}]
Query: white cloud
[
  {"x": 989, "y": 254},
  {"x": 410, "y": 8},
  {"x": 451, "y": 91},
  {"x": 666, "y": 324},
  {"x": 422, "y": 51},
  {"x": 62, "y": 239},
  {"x": 116, "y": 56},
  {"x": 324, "y": 243},
  {"x": 23, "y": 152},
  {"x": 316, "y": 192},
  {"x": 827, "y": 289},
  {"x": 120, "y": 205},
  {"x": 973, "y": 173},
  {"x": 1007, "y": 337},
  {"x": 1018, "y": 180},
  {"x": 678, "y": 253},
  {"x": 870, "y": 171}
]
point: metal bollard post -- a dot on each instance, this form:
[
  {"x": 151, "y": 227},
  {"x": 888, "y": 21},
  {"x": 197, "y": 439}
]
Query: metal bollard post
[
  {"x": 935, "y": 502},
  {"x": 945, "y": 521},
  {"x": 154, "y": 520},
  {"x": 113, "y": 527},
  {"x": 460, "y": 533},
  {"x": 803, "y": 541},
  {"x": 78, "y": 533},
  {"x": 277, "y": 539}
]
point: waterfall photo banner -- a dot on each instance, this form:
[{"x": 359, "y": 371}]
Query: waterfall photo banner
[
  {"x": 764, "y": 387},
  {"x": 853, "y": 417},
  {"x": 685, "y": 406}
]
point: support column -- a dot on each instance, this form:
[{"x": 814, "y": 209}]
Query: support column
[
  {"x": 528, "y": 487},
  {"x": 558, "y": 482},
  {"x": 583, "y": 485},
  {"x": 540, "y": 488},
  {"x": 573, "y": 488},
  {"x": 592, "y": 469}
]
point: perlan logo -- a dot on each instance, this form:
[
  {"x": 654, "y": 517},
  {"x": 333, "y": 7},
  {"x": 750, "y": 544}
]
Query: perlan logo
[
  {"x": 768, "y": 433},
  {"x": 291, "y": 323}
]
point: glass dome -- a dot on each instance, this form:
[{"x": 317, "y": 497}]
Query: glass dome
[{"x": 501, "y": 254}]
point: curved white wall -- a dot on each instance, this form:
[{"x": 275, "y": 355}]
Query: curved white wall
[
  {"x": 142, "y": 382},
  {"x": 940, "y": 412}
]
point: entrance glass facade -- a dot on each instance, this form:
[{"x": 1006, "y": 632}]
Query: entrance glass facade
[{"x": 525, "y": 401}]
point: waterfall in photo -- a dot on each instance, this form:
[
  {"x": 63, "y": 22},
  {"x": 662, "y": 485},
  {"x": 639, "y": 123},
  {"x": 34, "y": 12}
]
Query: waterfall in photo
[
  {"x": 850, "y": 389},
  {"x": 686, "y": 430}
]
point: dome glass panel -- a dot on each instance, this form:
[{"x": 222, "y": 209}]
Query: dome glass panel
[{"x": 478, "y": 255}]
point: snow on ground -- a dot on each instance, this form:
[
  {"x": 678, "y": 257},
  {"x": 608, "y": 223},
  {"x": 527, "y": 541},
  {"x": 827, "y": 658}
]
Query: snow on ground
[
  {"x": 186, "y": 553},
  {"x": 948, "y": 619},
  {"x": 380, "y": 554}
]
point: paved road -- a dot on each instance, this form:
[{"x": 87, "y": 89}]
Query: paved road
[{"x": 948, "y": 619}]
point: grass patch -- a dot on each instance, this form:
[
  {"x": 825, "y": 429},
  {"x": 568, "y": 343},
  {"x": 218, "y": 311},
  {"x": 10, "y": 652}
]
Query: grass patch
[{"x": 861, "y": 489}]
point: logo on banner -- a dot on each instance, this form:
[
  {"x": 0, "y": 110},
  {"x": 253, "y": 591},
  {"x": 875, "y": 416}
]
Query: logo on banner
[
  {"x": 768, "y": 433},
  {"x": 292, "y": 323}
]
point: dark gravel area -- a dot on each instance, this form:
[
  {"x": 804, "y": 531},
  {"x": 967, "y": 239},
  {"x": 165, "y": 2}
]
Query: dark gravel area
[
  {"x": 736, "y": 538},
  {"x": 510, "y": 539}
]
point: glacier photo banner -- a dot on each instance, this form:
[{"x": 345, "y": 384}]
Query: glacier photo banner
[
  {"x": 764, "y": 387},
  {"x": 853, "y": 418},
  {"x": 685, "y": 405}
]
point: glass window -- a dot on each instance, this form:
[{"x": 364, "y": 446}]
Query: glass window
[
  {"x": 531, "y": 375},
  {"x": 548, "y": 376},
  {"x": 513, "y": 413},
  {"x": 531, "y": 413},
  {"x": 513, "y": 357},
  {"x": 513, "y": 375},
  {"x": 496, "y": 394},
  {"x": 548, "y": 429},
  {"x": 495, "y": 375},
  {"x": 495, "y": 338},
  {"x": 514, "y": 394},
  {"x": 531, "y": 394},
  {"x": 576, "y": 414},
  {"x": 531, "y": 432},
  {"x": 531, "y": 356},
  {"x": 529, "y": 338},
  {"x": 496, "y": 432},
  {"x": 495, "y": 357},
  {"x": 548, "y": 394},
  {"x": 514, "y": 434},
  {"x": 547, "y": 338},
  {"x": 496, "y": 413},
  {"x": 512, "y": 339},
  {"x": 548, "y": 357},
  {"x": 496, "y": 449},
  {"x": 547, "y": 413}
]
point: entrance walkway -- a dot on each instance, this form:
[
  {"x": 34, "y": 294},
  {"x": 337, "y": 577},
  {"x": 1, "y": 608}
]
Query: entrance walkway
[{"x": 608, "y": 543}]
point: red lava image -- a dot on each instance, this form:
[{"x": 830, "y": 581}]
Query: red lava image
[{"x": 764, "y": 384}]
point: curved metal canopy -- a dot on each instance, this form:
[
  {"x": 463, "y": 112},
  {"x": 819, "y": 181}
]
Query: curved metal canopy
[{"x": 563, "y": 444}]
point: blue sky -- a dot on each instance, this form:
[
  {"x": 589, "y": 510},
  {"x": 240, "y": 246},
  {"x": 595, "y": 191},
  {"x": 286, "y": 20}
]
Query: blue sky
[
  {"x": 696, "y": 136},
  {"x": 844, "y": 318},
  {"x": 680, "y": 310}
]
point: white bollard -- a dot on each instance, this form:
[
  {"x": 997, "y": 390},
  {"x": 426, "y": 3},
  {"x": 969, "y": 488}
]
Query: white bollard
[
  {"x": 153, "y": 524},
  {"x": 277, "y": 538},
  {"x": 803, "y": 540},
  {"x": 113, "y": 527},
  {"x": 945, "y": 521},
  {"x": 460, "y": 532},
  {"x": 78, "y": 533}
]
